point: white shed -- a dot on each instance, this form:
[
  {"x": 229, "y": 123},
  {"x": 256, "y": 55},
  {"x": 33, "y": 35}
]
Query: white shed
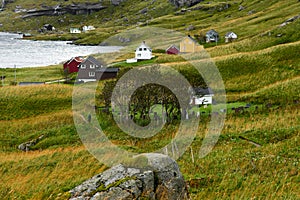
[
  {"x": 143, "y": 52},
  {"x": 88, "y": 28},
  {"x": 230, "y": 36},
  {"x": 75, "y": 30},
  {"x": 202, "y": 96}
]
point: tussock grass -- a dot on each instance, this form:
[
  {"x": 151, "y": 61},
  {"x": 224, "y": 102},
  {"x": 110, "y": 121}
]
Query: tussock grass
[
  {"x": 17, "y": 131},
  {"x": 47, "y": 174},
  {"x": 25, "y": 101},
  {"x": 260, "y": 68},
  {"x": 35, "y": 74}
]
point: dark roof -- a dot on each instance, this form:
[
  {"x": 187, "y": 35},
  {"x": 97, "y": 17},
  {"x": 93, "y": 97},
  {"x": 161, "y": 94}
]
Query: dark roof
[
  {"x": 203, "y": 91},
  {"x": 192, "y": 39},
  {"x": 93, "y": 60},
  {"x": 229, "y": 33},
  {"x": 78, "y": 59},
  {"x": 109, "y": 70},
  {"x": 212, "y": 32},
  {"x": 172, "y": 46},
  {"x": 30, "y": 83}
]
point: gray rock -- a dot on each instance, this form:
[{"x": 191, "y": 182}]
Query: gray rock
[
  {"x": 26, "y": 145},
  {"x": 251, "y": 12},
  {"x": 124, "y": 40},
  {"x": 158, "y": 178},
  {"x": 290, "y": 20},
  {"x": 241, "y": 8},
  {"x": 181, "y": 3},
  {"x": 143, "y": 11},
  {"x": 74, "y": 9},
  {"x": 116, "y": 2},
  {"x": 190, "y": 28}
]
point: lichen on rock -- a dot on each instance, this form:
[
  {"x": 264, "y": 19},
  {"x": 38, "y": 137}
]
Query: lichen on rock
[{"x": 159, "y": 179}]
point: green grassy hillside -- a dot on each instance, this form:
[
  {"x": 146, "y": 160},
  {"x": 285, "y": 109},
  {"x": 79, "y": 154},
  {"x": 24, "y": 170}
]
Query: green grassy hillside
[{"x": 261, "y": 68}]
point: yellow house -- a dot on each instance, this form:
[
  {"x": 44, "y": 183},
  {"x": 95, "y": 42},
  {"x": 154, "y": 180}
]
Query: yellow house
[{"x": 189, "y": 45}]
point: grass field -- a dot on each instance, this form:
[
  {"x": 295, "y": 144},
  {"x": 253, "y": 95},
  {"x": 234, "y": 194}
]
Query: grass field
[{"x": 260, "y": 68}]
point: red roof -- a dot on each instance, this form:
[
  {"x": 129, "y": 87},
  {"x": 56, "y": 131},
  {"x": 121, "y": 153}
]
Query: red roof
[
  {"x": 172, "y": 50},
  {"x": 73, "y": 63}
]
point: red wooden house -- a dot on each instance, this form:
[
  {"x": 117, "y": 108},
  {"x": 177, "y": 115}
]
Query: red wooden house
[
  {"x": 72, "y": 65},
  {"x": 173, "y": 50}
]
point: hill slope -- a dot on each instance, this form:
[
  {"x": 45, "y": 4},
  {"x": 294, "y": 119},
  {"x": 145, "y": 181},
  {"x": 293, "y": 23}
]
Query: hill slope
[{"x": 261, "y": 68}]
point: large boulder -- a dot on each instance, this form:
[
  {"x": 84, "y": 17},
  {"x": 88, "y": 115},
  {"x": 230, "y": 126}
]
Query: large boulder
[
  {"x": 159, "y": 178},
  {"x": 181, "y": 3},
  {"x": 27, "y": 145},
  {"x": 116, "y": 2}
]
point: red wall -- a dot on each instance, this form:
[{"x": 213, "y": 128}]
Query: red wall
[
  {"x": 173, "y": 51},
  {"x": 72, "y": 66}
]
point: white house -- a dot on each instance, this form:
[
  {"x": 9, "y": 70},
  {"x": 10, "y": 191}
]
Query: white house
[
  {"x": 230, "y": 36},
  {"x": 143, "y": 52},
  {"x": 202, "y": 96},
  {"x": 75, "y": 30},
  {"x": 88, "y": 28}
]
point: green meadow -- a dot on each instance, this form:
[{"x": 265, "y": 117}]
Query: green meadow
[{"x": 257, "y": 155}]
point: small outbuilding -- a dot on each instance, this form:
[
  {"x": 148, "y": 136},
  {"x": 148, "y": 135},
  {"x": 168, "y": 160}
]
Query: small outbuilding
[
  {"x": 30, "y": 83},
  {"x": 212, "y": 36},
  {"x": 230, "y": 36},
  {"x": 173, "y": 50},
  {"x": 88, "y": 28},
  {"x": 75, "y": 30},
  {"x": 202, "y": 96},
  {"x": 47, "y": 28}
]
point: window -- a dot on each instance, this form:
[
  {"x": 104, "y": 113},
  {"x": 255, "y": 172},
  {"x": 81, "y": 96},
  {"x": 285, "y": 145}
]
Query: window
[
  {"x": 139, "y": 55},
  {"x": 92, "y": 66},
  {"x": 91, "y": 74},
  {"x": 145, "y": 49},
  {"x": 83, "y": 66},
  {"x": 140, "y": 49}
]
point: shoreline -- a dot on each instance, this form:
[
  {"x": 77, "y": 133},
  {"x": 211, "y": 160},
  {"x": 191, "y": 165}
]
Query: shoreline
[{"x": 42, "y": 53}]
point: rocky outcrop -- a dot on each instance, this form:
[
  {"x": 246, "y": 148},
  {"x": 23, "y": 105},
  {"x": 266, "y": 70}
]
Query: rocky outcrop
[
  {"x": 241, "y": 8},
  {"x": 116, "y": 2},
  {"x": 26, "y": 145},
  {"x": 219, "y": 7},
  {"x": 181, "y": 3},
  {"x": 190, "y": 28},
  {"x": 4, "y": 2},
  {"x": 159, "y": 179},
  {"x": 290, "y": 20},
  {"x": 74, "y": 9}
]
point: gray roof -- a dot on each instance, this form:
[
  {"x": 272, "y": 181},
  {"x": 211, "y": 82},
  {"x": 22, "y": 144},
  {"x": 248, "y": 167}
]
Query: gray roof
[
  {"x": 228, "y": 34},
  {"x": 109, "y": 69},
  {"x": 31, "y": 83},
  {"x": 212, "y": 32},
  {"x": 202, "y": 91},
  {"x": 93, "y": 60}
]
